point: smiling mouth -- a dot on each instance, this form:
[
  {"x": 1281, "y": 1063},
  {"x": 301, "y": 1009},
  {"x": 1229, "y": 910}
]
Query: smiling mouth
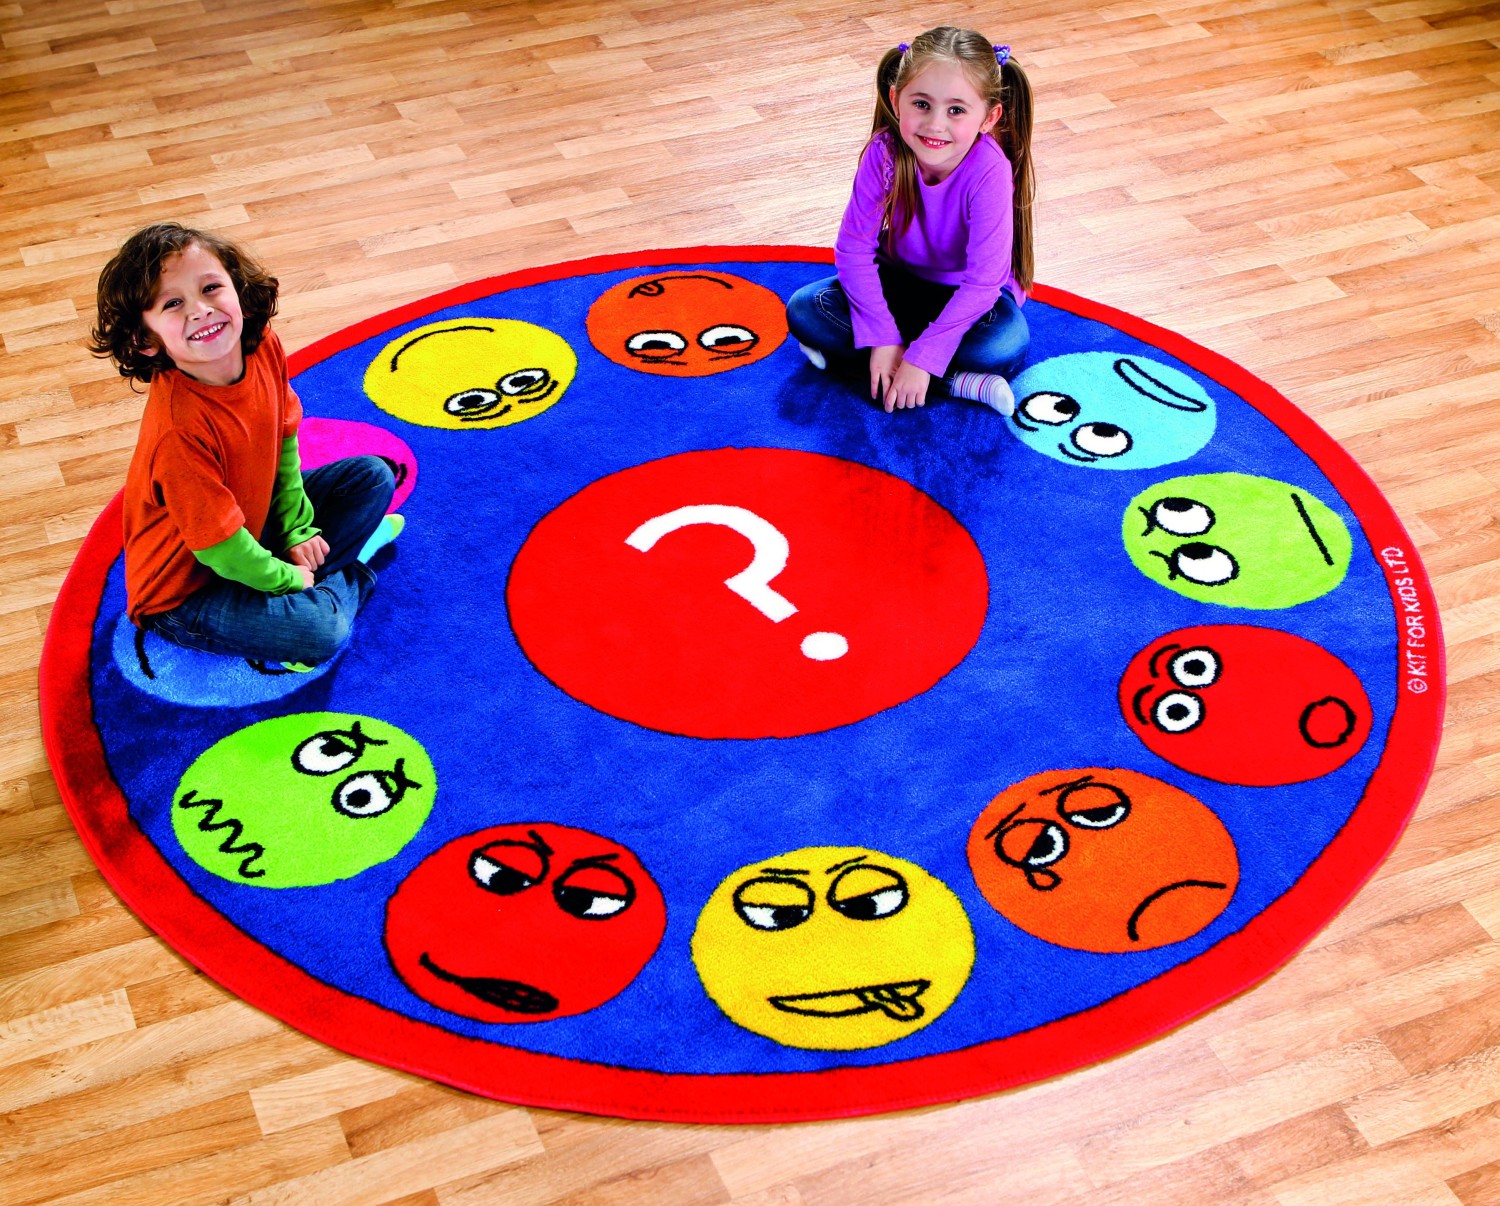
[
  {"x": 207, "y": 332},
  {"x": 900, "y": 1002},
  {"x": 932, "y": 144},
  {"x": 510, "y": 995}
]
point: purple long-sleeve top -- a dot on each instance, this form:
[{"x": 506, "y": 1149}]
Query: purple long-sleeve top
[{"x": 961, "y": 235}]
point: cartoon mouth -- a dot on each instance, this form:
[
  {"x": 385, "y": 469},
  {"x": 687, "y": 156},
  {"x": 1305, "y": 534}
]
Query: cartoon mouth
[
  {"x": 899, "y": 1002},
  {"x": 207, "y": 332},
  {"x": 1132, "y": 927},
  {"x": 510, "y": 995},
  {"x": 1312, "y": 529}
]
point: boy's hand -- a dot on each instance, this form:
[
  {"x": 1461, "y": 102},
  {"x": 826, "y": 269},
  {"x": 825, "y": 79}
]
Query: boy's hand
[
  {"x": 308, "y": 555},
  {"x": 884, "y": 361},
  {"x": 307, "y": 576},
  {"x": 908, "y": 387}
]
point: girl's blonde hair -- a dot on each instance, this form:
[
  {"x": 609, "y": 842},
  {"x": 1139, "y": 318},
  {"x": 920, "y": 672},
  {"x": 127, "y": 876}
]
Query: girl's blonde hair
[{"x": 998, "y": 84}]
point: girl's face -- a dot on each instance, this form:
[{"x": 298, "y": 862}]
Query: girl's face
[
  {"x": 194, "y": 316},
  {"x": 942, "y": 115}
]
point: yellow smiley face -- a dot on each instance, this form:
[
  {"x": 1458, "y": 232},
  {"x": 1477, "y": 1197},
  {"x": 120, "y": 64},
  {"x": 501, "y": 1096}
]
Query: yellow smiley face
[
  {"x": 471, "y": 372},
  {"x": 833, "y": 947}
]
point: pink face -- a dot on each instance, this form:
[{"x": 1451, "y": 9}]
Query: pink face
[
  {"x": 941, "y": 114},
  {"x": 1245, "y": 705},
  {"x": 195, "y": 317}
]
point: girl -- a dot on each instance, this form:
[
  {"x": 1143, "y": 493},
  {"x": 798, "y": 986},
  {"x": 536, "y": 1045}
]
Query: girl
[
  {"x": 934, "y": 252},
  {"x": 229, "y": 548}
]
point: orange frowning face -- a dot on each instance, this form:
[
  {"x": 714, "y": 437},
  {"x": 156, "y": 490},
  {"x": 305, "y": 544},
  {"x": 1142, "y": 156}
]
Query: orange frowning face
[
  {"x": 687, "y": 324},
  {"x": 1103, "y": 860}
]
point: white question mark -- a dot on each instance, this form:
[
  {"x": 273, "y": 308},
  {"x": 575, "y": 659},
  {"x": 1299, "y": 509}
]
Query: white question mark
[{"x": 753, "y": 583}]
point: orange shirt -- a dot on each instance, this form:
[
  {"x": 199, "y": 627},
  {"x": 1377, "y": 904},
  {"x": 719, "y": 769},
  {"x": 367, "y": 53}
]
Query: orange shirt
[{"x": 204, "y": 467}]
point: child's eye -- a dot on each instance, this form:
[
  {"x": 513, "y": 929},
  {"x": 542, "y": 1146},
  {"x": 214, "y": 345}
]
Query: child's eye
[
  {"x": 167, "y": 305},
  {"x": 921, "y": 104},
  {"x": 956, "y": 111}
]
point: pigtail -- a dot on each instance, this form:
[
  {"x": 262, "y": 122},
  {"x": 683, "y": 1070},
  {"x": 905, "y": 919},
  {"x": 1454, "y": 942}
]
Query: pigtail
[
  {"x": 902, "y": 197},
  {"x": 1013, "y": 133}
]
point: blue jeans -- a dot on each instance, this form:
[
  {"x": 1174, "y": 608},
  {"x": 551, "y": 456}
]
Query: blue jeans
[
  {"x": 818, "y": 316},
  {"x": 349, "y": 499}
]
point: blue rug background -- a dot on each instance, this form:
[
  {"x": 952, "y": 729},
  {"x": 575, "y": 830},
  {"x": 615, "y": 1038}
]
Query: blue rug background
[{"x": 434, "y": 655}]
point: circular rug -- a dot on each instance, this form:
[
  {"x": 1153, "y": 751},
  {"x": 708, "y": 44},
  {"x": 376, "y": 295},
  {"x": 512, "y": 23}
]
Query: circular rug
[{"x": 719, "y": 747}]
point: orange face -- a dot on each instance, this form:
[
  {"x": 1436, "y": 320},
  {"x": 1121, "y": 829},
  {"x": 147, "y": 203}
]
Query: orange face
[
  {"x": 1103, "y": 860},
  {"x": 687, "y": 324}
]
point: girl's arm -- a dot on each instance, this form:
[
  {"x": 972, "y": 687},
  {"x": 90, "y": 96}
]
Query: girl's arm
[{"x": 855, "y": 250}]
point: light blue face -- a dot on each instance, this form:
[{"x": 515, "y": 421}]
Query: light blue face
[{"x": 1107, "y": 410}]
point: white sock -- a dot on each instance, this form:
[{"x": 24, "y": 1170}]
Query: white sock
[
  {"x": 815, "y": 357},
  {"x": 990, "y": 388}
]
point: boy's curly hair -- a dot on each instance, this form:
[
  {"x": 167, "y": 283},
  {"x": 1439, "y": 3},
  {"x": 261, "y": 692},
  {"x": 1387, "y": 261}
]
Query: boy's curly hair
[{"x": 128, "y": 284}]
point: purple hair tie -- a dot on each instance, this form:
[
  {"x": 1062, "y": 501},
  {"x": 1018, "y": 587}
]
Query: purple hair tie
[
  {"x": 1002, "y": 54},
  {"x": 903, "y": 47}
]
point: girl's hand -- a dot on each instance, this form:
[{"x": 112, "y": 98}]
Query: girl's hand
[
  {"x": 908, "y": 387},
  {"x": 884, "y": 361}
]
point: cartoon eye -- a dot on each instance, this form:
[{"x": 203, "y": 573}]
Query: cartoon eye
[
  {"x": 508, "y": 867},
  {"x": 372, "y": 792},
  {"x": 1093, "y": 805},
  {"x": 1047, "y": 845},
  {"x": 524, "y": 381},
  {"x": 1205, "y": 564},
  {"x": 1195, "y": 668},
  {"x": 726, "y": 338},
  {"x": 1177, "y": 712},
  {"x": 1052, "y": 409},
  {"x": 867, "y": 893},
  {"x": 1180, "y": 517},
  {"x": 773, "y": 904},
  {"x": 472, "y": 402},
  {"x": 1102, "y": 439},
  {"x": 656, "y": 345},
  {"x": 329, "y": 752},
  {"x": 593, "y": 890}
]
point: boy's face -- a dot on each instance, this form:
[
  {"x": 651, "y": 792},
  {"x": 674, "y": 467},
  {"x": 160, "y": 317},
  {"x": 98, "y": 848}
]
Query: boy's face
[{"x": 195, "y": 317}]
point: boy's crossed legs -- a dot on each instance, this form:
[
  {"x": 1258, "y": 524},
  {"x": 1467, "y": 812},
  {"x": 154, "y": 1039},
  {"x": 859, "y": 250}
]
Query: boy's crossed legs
[{"x": 349, "y": 499}]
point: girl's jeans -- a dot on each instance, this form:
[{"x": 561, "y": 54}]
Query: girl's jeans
[{"x": 818, "y": 316}]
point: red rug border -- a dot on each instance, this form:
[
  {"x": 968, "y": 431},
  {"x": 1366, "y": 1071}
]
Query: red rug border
[{"x": 363, "y": 1029}]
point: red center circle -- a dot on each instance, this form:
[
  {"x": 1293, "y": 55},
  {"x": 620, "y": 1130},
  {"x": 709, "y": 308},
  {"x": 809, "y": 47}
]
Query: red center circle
[{"x": 747, "y": 592}]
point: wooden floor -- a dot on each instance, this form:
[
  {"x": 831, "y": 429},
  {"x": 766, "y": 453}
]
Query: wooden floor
[{"x": 1308, "y": 187}]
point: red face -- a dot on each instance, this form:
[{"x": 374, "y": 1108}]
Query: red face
[
  {"x": 1245, "y": 705},
  {"x": 522, "y": 923},
  {"x": 687, "y": 324}
]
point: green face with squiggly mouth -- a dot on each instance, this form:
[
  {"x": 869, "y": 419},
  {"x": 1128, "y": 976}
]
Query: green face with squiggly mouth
[{"x": 301, "y": 800}]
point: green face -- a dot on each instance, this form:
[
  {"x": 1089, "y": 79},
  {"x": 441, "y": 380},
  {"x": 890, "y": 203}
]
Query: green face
[
  {"x": 1237, "y": 540},
  {"x": 302, "y": 800}
]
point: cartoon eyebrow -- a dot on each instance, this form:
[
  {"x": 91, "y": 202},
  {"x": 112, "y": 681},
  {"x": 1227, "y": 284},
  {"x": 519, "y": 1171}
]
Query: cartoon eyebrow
[
  {"x": 1005, "y": 821},
  {"x": 788, "y": 871},
  {"x": 428, "y": 335},
  {"x": 1135, "y": 704},
  {"x": 848, "y": 862},
  {"x": 653, "y": 287},
  {"x": 1159, "y": 391},
  {"x": 1157, "y": 654},
  {"x": 1307, "y": 520}
]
